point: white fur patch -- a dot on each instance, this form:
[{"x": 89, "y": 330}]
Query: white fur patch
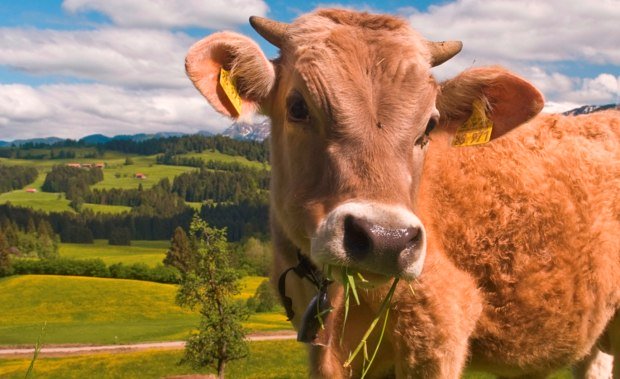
[
  {"x": 327, "y": 247},
  {"x": 600, "y": 366}
]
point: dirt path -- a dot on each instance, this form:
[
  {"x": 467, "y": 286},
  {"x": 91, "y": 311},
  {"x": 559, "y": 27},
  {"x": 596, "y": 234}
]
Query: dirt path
[{"x": 60, "y": 350}]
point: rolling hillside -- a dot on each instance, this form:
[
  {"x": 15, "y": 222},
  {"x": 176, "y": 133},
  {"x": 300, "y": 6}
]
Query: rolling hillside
[
  {"x": 102, "y": 311},
  {"x": 116, "y": 175}
]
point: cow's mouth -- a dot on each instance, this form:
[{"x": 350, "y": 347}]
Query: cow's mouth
[{"x": 362, "y": 278}]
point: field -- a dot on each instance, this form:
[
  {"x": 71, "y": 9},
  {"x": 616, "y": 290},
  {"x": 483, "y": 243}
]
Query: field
[
  {"x": 101, "y": 311},
  {"x": 111, "y": 209},
  {"x": 148, "y": 252},
  {"x": 122, "y": 176},
  {"x": 268, "y": 359},
  {"x": 116, "y": 175},
  {"x": 216, "y": 156},
  {"x": 43, "y": 201},
  {"x": 112, "y": 311}
]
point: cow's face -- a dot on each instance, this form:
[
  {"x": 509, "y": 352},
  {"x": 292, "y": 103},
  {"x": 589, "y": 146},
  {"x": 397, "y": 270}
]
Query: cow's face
[
  {"x": 352, "y": 103},
  {"x": 351, "y": 115}
]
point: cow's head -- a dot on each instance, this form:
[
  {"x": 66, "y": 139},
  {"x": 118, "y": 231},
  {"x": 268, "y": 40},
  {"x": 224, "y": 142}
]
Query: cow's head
[{"x": 352, "y": 102}]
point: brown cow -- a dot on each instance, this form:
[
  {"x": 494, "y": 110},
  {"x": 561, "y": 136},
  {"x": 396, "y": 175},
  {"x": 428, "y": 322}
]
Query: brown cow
[{"x": 513, "y": 245}]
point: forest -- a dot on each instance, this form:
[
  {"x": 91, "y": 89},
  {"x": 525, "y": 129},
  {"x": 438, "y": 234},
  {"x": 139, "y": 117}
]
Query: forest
[{"x": 15, "y": 177}]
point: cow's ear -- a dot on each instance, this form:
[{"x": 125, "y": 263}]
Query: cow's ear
[
  {"x": 509, "y": 100},
  {"x": 248, "y": 76}
]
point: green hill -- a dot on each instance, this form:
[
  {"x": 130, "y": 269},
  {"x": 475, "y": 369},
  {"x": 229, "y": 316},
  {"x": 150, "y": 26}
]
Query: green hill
[
  {"x": 101, "y": 311},
  {"x": 148, "y": 252}
]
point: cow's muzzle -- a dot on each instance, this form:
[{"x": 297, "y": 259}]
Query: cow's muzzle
[{"x": 372, "y": 237}]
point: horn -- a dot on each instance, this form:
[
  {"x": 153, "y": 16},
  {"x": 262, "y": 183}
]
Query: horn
[
  {"x": 272, "y": 31},
  {"x": 442, "y": 51}
]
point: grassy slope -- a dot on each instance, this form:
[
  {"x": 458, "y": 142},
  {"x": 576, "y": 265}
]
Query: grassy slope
[
  {"x": 102, "y": 311},
  {"x": 216, "y": 156},
  {"x": 142, "y": 164},
  {"x": 268, "y": 359},
  {"x": 110, "y": 209},
  {"x": 148, "y": 252}
]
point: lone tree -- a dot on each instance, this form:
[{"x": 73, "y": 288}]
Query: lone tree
[
  {"x": 180, "y": 254},
  {"x": 208, "y": 284},
  {"x": 5, "y": 259}
]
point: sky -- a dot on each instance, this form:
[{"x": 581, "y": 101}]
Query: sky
[{"x": 70, "y": 68}]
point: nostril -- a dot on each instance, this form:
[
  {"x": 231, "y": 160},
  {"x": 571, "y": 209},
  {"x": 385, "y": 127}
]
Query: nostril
[
  {"x": 357, "y": 240},
  {"x": 412, "y": 236}
]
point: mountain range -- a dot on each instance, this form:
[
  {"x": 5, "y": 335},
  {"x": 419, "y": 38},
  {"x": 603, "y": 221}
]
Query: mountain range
[
  {"x": 590, "y": 109},
  {"x": 238, "y": 130}
]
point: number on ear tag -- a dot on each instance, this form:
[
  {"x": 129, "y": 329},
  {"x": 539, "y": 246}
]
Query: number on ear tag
[{"x": 477, "y": 129}]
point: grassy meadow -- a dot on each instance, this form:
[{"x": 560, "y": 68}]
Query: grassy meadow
[
  {"x": 103, "y": 311},
  {"x": 267, "y": 359},
  {"x": 42, "y": 201},
  {"x": 101, "y": 208},
  {"x": 148, "y": 252},
  {"x": 217, "y": 156}
]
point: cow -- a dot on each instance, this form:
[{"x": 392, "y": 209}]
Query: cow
[{"x": 507, "y": 253}]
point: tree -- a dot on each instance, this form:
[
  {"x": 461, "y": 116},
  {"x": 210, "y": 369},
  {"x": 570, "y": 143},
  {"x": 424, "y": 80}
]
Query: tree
[
  {"x": 120, "y": 237},
  {"x": 209, "y": 285},
  {"x": 179, "y": 255},
  {"x": 5, "y": 259},
  {"x": 265, "y": 298},
  {"x": 128, "y": 161},
  {"x": 258, "y": 256}
]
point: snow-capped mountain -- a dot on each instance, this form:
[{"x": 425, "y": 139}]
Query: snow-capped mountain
[
  {"x": 590, "y": 109},
  {"x": 241, "y": 130}
]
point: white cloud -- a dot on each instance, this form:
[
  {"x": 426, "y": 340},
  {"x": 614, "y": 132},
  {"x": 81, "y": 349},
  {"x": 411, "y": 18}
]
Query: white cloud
[
  {"x": 528, "y": 30},
  {"x": 212, "y": 14},
  {"x": 533, "y": 38},
  {"x": 127, "y": 57},
  {"x": 136, "y": 80},
  {"x": 72, "y": 111},
  {"x": 553, "y": 107},
  {"x": 22, "y": 104}
]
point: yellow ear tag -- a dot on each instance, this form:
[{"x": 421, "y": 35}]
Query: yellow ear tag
[
  {"x": 230, "y": 90},
  {"x": 477, "y": 129}
]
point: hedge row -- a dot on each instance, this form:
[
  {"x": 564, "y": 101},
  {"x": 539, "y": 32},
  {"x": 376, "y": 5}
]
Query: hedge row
[{"x": 94, "y": 268}]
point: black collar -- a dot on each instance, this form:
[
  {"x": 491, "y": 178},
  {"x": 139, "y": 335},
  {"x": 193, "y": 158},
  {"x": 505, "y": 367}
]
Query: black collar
[{"x": 304, "y": 269}]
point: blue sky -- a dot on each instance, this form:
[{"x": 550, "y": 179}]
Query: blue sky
[{"x": 70, "y": 68}]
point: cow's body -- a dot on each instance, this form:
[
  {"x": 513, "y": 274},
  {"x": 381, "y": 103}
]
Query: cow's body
[
  {"x": 527, "y": 255},
  {"x": 534, "y": 218},
  {"x": 513, "y": 246}
]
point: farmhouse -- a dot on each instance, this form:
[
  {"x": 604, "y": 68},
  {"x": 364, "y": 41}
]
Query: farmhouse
[
  {"x": 31, "y": 190},
  {"x": 74, "y": 164},
  {"x": 140, "y": 176}
]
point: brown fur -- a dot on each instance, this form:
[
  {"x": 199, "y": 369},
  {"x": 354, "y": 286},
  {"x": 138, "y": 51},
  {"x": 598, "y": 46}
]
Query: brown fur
[
  {"x": 523, "y": 254},
  {"x": 534, "y": 218}
]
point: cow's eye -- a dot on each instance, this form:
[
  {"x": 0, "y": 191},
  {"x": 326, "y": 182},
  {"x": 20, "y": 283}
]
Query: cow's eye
[
  {"x": 296, "y": 108},
  {"x": 432, "y": 123},
  {"x": 424, "y": 138}
]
